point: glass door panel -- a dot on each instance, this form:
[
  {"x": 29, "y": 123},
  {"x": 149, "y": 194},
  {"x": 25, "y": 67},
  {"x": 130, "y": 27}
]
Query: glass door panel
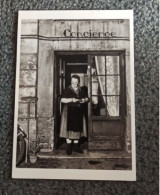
[
  {"x": 107, "y": 104},
  {"x": 105, "y": 79}
]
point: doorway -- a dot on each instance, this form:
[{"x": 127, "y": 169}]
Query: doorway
[
  {"x": 103, "y": 74},
  {"x": 66, "y": 66}
]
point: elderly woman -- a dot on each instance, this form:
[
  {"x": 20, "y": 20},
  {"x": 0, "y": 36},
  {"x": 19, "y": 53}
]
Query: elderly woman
[{"x": 73, "y": 122}]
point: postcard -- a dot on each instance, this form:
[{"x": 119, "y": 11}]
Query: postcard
[{"x": 74, "y": 101}]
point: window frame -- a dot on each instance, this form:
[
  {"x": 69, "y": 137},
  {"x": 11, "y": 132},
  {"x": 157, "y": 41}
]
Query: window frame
[{"x": 122, "y": 94}]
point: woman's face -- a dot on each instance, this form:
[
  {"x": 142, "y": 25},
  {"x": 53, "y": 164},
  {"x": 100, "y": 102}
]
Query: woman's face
[{"x": 74, "y": 83}]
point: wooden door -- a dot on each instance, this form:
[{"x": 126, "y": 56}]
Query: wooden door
[
  {"x": 59, "y": 86},
  {"x": 107, "y": 106}
]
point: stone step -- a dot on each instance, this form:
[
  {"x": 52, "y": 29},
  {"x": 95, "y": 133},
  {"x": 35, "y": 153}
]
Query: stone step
[{"x": 86, "y": 154}]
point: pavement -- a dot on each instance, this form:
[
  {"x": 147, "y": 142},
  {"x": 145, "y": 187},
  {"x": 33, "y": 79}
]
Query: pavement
[{"x": 103, "y": 160}]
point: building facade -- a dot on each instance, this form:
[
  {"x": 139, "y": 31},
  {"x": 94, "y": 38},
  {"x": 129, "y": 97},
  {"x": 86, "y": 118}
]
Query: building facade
[{"x": 99, "y": 52}]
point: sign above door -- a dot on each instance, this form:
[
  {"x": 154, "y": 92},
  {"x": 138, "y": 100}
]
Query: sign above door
[{"x": 87, "y": 34}]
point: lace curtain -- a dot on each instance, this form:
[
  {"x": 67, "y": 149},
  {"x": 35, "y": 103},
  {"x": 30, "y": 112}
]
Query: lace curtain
[{"x": 109, "y": 83}]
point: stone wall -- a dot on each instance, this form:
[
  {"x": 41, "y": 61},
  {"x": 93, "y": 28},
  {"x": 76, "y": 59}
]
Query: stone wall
[{"x": 27, "y": 84}]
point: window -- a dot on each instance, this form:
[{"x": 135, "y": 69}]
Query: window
[{"x": 105, "y": 85}]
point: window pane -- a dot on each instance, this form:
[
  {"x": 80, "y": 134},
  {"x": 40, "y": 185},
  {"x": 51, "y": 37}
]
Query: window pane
[
  {"x": 100, "y": 65},
  {"x": 98, "y": 105},
  {"x": 105, "y": 65},
  {"x": 95, "y": 88},
  {"x": 113, "y": 85},
  {"x": 113, "y": 105},
  {"x": 94, "y": 71},
  {"x": 95, "y": 85},
  {"x": 98, "y": 85},
  {"x": 112, "y": 64}
]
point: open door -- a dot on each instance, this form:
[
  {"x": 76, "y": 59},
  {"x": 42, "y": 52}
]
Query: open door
[{"x": 59, "y": 86}]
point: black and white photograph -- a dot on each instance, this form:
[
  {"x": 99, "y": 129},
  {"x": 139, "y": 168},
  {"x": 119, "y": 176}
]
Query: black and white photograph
[{"x": 74, "y": 103}]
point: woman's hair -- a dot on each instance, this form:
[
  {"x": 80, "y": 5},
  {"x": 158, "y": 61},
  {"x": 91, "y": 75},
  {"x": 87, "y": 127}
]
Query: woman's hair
[{"x": 76, "y": 77}]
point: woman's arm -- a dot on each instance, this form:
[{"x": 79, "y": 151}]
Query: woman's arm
[
  {"x": 66, "y": 100},
  {"x": 69, "y": 100}
]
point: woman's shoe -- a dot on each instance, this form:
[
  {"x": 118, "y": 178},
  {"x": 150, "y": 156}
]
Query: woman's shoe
[
  {"x": 69, "y": 149},
  {"x": 77, "y": 148}
]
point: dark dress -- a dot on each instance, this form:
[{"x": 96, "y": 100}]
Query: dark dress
[{"x": 72, "y": 119}]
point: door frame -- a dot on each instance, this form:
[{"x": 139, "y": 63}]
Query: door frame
[{"x": 58, "y": 53}]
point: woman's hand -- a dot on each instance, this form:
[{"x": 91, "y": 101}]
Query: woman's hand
[
  {"x": 74, "y": 100},
  {"x": 84, "y": 100}
]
